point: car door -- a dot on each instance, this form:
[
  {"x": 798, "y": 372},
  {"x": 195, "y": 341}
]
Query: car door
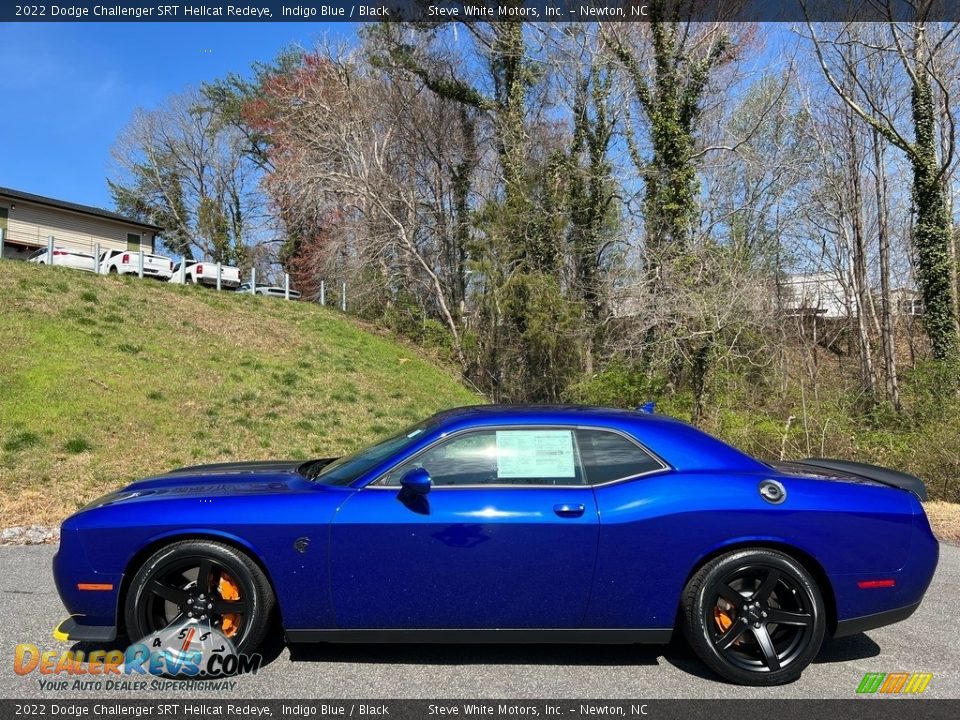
[
  {"x": 641, "y": 503},
  {"x": 505, "y": 538}
]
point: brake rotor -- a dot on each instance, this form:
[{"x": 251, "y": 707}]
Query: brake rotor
[{"x": 229, "y": 590}]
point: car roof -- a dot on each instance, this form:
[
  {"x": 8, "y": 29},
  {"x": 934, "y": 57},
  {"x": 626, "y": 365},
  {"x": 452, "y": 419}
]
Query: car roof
[
  {"x": 681, "y": 445},
  {"x": 540, "y": 413}
]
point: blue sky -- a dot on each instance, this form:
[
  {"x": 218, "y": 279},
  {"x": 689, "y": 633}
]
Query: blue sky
[{"x": 77, "y": 85}]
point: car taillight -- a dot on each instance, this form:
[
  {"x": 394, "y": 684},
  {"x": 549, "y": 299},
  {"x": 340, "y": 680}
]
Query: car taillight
[
  {"x": 125, "y": 259},
  {"x": 199, "y": 269},
  {"x": 60, "y": 252}
]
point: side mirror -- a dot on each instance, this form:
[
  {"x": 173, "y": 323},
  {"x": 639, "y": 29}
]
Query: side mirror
[{"x": 416, "y": 481}]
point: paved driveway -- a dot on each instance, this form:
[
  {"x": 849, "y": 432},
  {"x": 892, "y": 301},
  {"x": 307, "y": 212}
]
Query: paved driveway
[{"x": 926, "y": 642}]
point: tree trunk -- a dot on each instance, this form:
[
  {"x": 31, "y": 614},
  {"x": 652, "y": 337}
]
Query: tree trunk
[
  {"x": 887, "y": 336},
  {"x": 932, "y": 233},
  {"x": 858, "y": 260}
]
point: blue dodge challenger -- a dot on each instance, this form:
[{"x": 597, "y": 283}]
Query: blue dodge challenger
[{"x": 511, "y": 524}]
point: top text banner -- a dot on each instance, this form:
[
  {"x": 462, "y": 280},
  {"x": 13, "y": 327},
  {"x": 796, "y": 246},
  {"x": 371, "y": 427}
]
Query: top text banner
[{"x": 485, "y": 11}]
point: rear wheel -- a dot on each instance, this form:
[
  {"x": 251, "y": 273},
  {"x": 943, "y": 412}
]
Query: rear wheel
[
  {"x": 202, "y": 583},
  {"x": 756, "y": 617}
]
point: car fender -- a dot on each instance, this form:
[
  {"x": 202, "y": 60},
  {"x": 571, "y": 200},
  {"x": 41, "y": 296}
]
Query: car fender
[{"x": 153, "y": 543}]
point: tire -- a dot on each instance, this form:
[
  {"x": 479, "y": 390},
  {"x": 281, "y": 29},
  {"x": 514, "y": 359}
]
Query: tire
[
  {"x": 729, "y": 612},
  {"x": 113, "y": 270},
  {"x": 145, "y": 611}
]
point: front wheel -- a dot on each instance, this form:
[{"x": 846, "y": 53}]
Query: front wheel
[
  {"x": 204, "y": 584},
  {"x": 756, "y": 617}
]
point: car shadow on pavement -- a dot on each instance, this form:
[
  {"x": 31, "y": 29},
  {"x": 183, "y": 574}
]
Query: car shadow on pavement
[
  {"x": 677, "y": 653},
  {"x": 477, "y": 654},
  {"x": 853, "y": 647}
]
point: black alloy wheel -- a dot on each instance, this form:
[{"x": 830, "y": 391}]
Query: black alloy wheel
[
  {"x": 756, "y": 617},
  {"x": 203, "y": 583}
]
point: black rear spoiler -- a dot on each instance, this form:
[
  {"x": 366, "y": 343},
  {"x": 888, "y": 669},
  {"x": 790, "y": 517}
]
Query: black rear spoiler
[{"x": 894, "y": 478}]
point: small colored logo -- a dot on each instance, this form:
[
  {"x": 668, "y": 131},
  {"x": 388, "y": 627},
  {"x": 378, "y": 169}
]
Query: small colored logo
[{"x": 894, "y": 683}]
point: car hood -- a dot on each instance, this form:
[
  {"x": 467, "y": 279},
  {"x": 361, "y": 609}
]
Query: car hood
[
  {"x": 237, "y": 468},
  {"x": 236, "y": 478}
]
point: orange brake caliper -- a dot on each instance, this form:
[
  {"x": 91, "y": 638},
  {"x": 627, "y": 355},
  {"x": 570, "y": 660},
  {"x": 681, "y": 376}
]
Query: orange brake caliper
[
  {"x": 229, "y": 590},
  {"x": 722, "y": 618}
]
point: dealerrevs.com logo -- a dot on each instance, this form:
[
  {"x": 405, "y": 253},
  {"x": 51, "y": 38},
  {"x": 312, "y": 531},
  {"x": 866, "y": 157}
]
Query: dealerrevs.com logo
[
  {"x": 894, "y": 683},
  {"x": 190, "y": 651}
]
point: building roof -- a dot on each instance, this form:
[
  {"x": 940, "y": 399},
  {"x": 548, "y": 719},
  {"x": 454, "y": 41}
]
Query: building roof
[{"x": 74, "y": 207}]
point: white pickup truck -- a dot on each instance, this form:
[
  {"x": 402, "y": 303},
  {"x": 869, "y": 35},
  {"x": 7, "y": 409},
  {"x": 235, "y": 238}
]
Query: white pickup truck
[
  {"x": 127, "y": 262},
  {"x": 205, "y": 273}
]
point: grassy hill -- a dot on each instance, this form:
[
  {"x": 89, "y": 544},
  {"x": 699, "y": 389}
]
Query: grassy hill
[{"x": 105, "y": 379}]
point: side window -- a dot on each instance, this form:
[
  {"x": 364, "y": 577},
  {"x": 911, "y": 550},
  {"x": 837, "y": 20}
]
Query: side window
[
  {"x": 469, "y": 459},
  {"x": 608, "y": 456},
  {"x": 529, "y": 456}
]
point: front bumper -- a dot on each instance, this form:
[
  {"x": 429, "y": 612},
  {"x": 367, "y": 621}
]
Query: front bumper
[{"x": 71, "y": 571}]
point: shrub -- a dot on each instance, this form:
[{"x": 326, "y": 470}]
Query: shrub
[
  {"x": 21, "y": 441},
  {"x": 77, "y": 445}
]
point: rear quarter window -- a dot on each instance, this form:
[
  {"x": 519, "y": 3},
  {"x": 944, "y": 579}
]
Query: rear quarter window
[{"x": 609, "y": 456}]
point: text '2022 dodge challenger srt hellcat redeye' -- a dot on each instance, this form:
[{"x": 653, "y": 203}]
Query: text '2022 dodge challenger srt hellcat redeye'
[{"x": 513, "y": 524}]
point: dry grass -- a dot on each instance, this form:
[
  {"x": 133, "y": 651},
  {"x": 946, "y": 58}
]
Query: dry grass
[
  {"x": 945, "y": 519},
  {"x": 104, "y": 380}
]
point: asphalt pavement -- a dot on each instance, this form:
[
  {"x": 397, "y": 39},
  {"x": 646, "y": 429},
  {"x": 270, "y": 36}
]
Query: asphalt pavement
[{"x": 927, "y": 642}]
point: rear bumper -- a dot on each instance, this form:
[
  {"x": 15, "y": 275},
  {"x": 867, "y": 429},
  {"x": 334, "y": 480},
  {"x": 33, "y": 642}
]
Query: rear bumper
[
  {"x": 212, "y": 281},
  {"x": 72, "y": 630},
  {"x": 147, "y": 272},
  {"x": 853, "y": 626}
]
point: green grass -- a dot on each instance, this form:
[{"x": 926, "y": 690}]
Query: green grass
[{"x": 105, "y": 379}]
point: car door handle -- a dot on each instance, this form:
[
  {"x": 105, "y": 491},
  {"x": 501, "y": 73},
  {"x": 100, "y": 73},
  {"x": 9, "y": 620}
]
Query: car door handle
[{"x": 568, "y": 510}]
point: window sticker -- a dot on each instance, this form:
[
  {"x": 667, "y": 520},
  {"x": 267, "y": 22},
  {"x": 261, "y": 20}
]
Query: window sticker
[{"x": 535, "y": 454}]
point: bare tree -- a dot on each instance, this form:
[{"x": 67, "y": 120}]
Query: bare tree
[
  {"x": 336, "y": 146},
  {"x": 917, "y": 46},
  {"x": 179, "y": 167}
]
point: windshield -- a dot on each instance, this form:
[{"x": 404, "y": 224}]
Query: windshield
[{"x": 345, "y": 470}]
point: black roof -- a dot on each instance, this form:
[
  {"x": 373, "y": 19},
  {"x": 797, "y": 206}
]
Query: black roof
[{"x": 74, "y": 207}]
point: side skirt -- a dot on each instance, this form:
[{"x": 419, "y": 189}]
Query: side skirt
[{"x": 604, "y": 636}]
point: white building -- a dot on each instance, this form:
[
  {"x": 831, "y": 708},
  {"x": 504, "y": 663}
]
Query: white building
[
  {"x": 27, "y": 220},
  {"x": 820, "y": 294}
]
